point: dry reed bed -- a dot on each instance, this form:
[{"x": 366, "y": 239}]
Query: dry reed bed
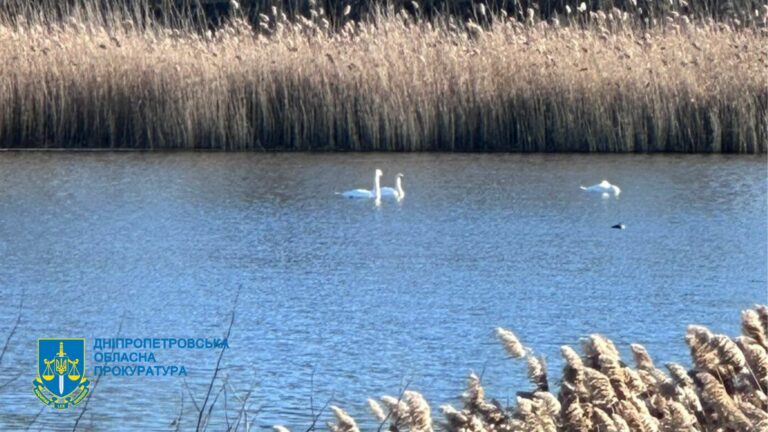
[
  {"x": 590, "y": 83},
  {"x": 724, "y": 391}
]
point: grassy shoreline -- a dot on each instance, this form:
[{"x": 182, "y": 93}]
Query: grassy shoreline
[
  {"x": 592, "y": 82},
  {"x": 723, "y": 390}
]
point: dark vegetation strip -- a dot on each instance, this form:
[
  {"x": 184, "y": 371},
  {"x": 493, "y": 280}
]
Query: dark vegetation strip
[{"x": 217, "y": 11}]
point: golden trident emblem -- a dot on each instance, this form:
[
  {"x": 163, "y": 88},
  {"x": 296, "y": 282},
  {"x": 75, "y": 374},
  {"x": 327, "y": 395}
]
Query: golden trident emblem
[{"x": 63, "y": 366}]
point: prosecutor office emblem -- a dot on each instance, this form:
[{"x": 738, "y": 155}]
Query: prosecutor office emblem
[{"x": 61, "y": 381}]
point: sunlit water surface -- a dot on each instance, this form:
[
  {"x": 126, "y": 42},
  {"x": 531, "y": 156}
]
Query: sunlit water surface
[{"x": 342, "y": 300}]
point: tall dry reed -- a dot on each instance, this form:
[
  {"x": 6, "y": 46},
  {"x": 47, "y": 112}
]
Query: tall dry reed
[
  {"x": 592, "y": 81},
  {"x": 724, "y": 391}
]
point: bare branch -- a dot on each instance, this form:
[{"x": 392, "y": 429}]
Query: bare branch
[
  {"x": 177, "y": 421},
  {"x": 319, "y": 413},
  {"x": 218, "y": 362},
  {"x": 13, "y": 330}
]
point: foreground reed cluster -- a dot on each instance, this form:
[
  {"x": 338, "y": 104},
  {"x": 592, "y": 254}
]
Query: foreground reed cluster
[
  {"x": 724, "y": 390},
  {"x": 589, "y": 81}
]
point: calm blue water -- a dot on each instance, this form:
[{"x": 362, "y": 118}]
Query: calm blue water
[{"x": 343, "y": 300}]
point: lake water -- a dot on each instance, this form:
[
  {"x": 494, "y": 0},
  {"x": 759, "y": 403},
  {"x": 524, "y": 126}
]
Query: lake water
[{"x": 346, "y": 300}]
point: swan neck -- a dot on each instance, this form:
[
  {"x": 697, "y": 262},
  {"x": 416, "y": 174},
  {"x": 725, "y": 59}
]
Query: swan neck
[
  {"x": 399, "y": 186},
  {"x": 377, "y": 187}
]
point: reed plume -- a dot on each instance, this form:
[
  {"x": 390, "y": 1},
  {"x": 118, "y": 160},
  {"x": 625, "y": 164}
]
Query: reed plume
[
  {"x": 398, "y": 410},
  {"x": 752, "y": 326},
  {"x": 510, "y": 342},
  {"x": 762, "y": 312},
  {"x": 602, "y": 421},
  {"x": 420, "y": 413},
  {"x": 574, "y": 417},
  {"x": 344, "y": 422},
  {"x": 537, "y": 373},
  {"x": 642, "y": 359},
  {"x": 757, "y": 359},
  {"x": 549, "y": 403},
  {"x": 376, "y": 410},
  {"x": 677, "y": 418},
  {"x": 717, "y": 398}
]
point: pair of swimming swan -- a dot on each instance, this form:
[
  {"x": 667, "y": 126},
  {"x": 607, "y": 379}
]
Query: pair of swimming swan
[
  {"x": 604, "y": 187},
  {"x": 378, "y": 192}
]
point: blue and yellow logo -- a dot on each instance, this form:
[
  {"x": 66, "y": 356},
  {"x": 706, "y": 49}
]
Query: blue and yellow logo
[{"x": 61, "y": 381}]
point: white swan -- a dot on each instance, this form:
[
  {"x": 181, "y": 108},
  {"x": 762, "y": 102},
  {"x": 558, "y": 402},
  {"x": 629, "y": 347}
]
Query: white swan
[
  {"x": 603, "y": 187},
  {"x": 365, "y": 193},
  {"x": 397, "y": 192}
]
